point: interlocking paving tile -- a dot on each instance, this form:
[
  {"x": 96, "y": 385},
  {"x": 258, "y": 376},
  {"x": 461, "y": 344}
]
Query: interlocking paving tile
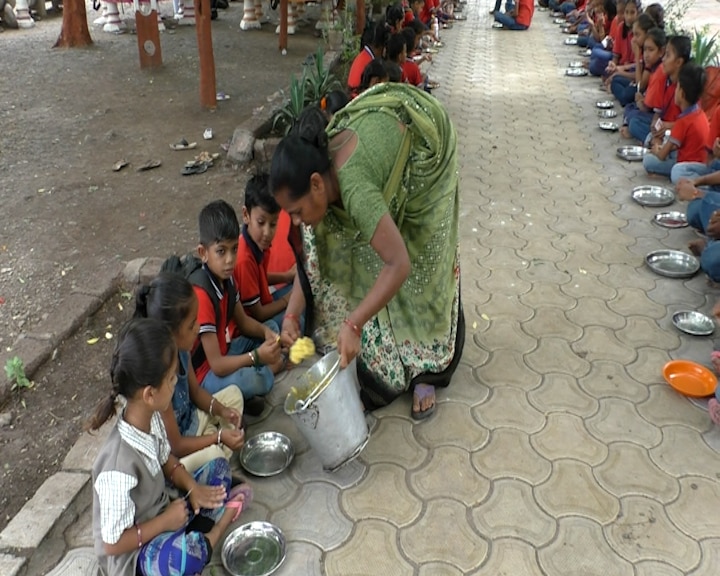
[
  {"x": 439, "y": 569},
  {"x": 444, "y": 535},
  {"x": 465, "y": 387},
  {"x": 275, "y": 492},
  {"x": 651, "y": 568},
  {"x": 393, "y": 442},
  {"x": 510, "y": 557},
  {"x": 547, "y": 294},
  {"x": 542, "y": 271},
  {"x": 315, "y": 517},
  {"x": 580, "y": 548},
  {"x": 600, "y": 343},
  {"x": 594, "y": 312},
  {"x": 641, "y": 331},
  {"x": 541, "y": 249},
  {"x": 509, "y": 407},
  {"x": 506, "y": 281},
  {"x": 509, "y": 455},
  {"x": 644, "y": 532},
  {"x": 80, "y": 561},
  {"x": 628, "y": 470},
  {"x": 550, "y": 322},
  {"x": 384, "y": 495},
  {"x": 617, "y": 420},
  {"x": 556, "y": 355},
  {"x": 710, "y": 558},
  {"x": 452, "y": 425},
  {"x": 507, "y": 334},
  {"x": 669, "y": 291},
  {"x": 635, "y": 301},
  {"x": 693, "y": 511},
  {"x": 506, "y": 367},
  {"x": 371, "y": 550},
  {"x": 302, "y": 558},
  {"x": 579, "y": 263},
  {"x": 571, "y": 490},
  {"x": 308, "y": 468},
  {"x": 585, "y": 285},
  {"x": 564, "y": 436},
  {"x": 278, "y": 422},
  {"x": 450, "y": 473},
  {"x": 664, "y": 406},
  {"x": 560, "y": 393},
  {"x": 511, "y": 511},
  {"x": 647, "y": 369},
  {"x": 506, "y": 306}
]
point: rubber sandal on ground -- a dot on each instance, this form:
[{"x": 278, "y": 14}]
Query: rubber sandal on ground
[
  {"x": 183, "y": 145},
  {"x": 119, "y": 165},
  {"x": 221, "y": 96},
  {"x": 239, "y": 499},
  {"x": 191, "y": 169},
  {"x": 432, "y": 84},
  {"x": 149, "y": 165},
  {"x": 421, "y": 392}
]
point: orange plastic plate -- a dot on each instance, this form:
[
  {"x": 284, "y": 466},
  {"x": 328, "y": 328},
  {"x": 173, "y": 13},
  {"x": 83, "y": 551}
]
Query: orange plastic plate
[{"x": 690, "y": 378}]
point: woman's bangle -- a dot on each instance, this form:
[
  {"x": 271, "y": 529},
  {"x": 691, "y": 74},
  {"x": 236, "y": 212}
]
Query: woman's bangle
[
  {"x": 252, "y": 359},
  {"x": 212, "y": 401},
  {"x": 219, "y": 442},
  {"x": 174, "y": 468},
  {"x": 294, "y": 318},
  {"x": 354, "y": 327},
  {"x": 256, "y": 358},
  {"x": 139, "y": 535}
]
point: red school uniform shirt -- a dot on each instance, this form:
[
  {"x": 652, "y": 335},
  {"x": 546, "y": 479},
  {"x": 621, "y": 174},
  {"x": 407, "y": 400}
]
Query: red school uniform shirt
[
  {"x": 427, "y": 10},
  {"x": 357, "y": 68},
  {"x": 623, "y": 47},
  {"x": 525, "y": 11},
  {"x": 208, "y": 322},
  {"x": 411, "y": 73},
  {"x": 660, "y": 96},
  {"x": 690, "y": 134},
  {"x": 281, "y": 257},
  {"x": 714, "y": 128},
  {"x": 251, "y": 270}
]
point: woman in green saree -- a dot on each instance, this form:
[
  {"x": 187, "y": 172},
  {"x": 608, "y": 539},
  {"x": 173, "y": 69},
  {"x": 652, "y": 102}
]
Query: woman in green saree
[{"x": 376, "y": 193}]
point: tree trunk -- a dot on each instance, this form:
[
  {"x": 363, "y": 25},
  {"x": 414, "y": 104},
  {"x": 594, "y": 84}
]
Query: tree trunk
[{"x": 74, "y": 31}]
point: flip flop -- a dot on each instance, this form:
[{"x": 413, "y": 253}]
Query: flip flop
[
  {"x": 221, "y": 96},
  {"x": 194, "y": 168},
  {"x": 119, "y": 165},
  {"x": 239, "y": 500},
  {"x": 149, "y": 165},
  {"x": 422, "y": 391},
  {"x": 183, "y": 145}
]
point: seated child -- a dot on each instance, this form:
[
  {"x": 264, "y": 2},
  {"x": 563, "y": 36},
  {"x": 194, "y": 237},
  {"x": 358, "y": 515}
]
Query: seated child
[
  {"x": 696, "y": 174},
  {"x": 396, "y": 52},
  {"x": 601, "y": 54},
  {"x": 623, "y": 58},
  {"x": 660, "y": 95},
  {"x": 260, "y": 217},
  {"x": 373, "y": 42},
  {"x": 200, "y": 427},
  {"x": 689, "y": 135},
  {"x": 653, "y": 52},
  {"x": 703, "y": 214},
  {"x": 329, "y": 104},
  {"x": 598, "y": 23},
  {"x": 220, "y": 357},
  {"x": 517, "y": 17},
  {"x": 394, "y": 17},
  {"x": 374, "y": 73},
  {"x": 137, "y": 529},
  {"x": 623, "y": 87},
  {"x": 410, "y": 69}
]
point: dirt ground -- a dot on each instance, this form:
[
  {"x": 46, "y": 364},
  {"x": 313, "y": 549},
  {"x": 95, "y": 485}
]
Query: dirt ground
[{"x": 66, "y": 117}]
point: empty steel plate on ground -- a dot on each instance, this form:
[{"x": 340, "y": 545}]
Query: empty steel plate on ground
[
  {"x": 694, "y": 323},
  {"x": 567, "y": 31},
  {"x": 605, "y": 104},
  {"x": 671, "y": 219},
  {"x": 254, "y": 549},
  {"x": 653, "y": 196},
  {"x": 672, "y": 263},
  {"x": 576, "y": 72},
  {"x": 609, "y": 126},
  {"x": 631, "y": 153},
  {"x": 557, "y": 14},
  {"x": 267, "y": 454},
  {"x": 497, "y": 25},
  {"x": 560, "y": 21},
  {"x": 690, "y": 378},
  {"x": 607, "y": 113},
  {"x": 576, "y": 64},
  {"x": 571, "y": 40}
]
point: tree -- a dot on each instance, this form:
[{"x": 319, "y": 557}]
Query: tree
[{"x": 74, "y": 31}]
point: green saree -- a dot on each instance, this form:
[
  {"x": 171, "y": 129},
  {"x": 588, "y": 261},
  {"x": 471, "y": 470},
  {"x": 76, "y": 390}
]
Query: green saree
[{"x": 404, "y": 164}]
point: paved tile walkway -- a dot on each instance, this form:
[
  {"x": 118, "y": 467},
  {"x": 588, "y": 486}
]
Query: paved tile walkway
[{"x": 558, "y": 450}]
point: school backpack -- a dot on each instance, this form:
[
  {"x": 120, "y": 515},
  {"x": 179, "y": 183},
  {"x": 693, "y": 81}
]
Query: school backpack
[
  {"x": 191, "y": 267},
  {"x": 710, "y": 99}
]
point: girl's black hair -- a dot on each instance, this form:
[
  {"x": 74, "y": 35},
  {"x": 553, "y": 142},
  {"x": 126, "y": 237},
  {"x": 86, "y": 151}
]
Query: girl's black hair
[
  {"x": 300, "y": 154},
  {"x": 692, "y": 81},
  {"x": 394, "y": 72},
  {"x": 257, "y": 194},
  {"x": 657, "y": 13},
  {"x": 375, "y": 69},
  {"x": 380, "y": 38},
  {"x": 625, "y": 29},
  {"x": 645, "y": 22},
  {"x": 610, "y": 8},
  {"x": 410, "y": 36},
  {"x": 168, "y": 298},
  {"x": 395, "y": 46},
  {"x": 335, "y": 100},
  {"x": 368, "y": 35},
  {"x": 144, "y": 353},
  {"x": 658, "y": 36},
  {"x": 418, "y": 27},
  {"x": 682, "y": 45},
  {"x": 394, "y": 13}
]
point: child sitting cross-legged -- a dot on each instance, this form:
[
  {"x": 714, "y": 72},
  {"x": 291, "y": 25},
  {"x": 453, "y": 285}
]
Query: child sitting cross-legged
[
  {"x": 200, "y": 427},
  {"x": 260, "y": 219},
  {"x": 688, "y": 138},
  {"x": 137, "y": 529},
  {"x": 233, "y": 349}
]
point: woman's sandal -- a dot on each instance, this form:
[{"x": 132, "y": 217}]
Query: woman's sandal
[
  {"x": 421, "y": 392},
  {"x": 714, "y": 410},
  {"x": 238, "y": 499},
  {"x": 183, "y": 145}
]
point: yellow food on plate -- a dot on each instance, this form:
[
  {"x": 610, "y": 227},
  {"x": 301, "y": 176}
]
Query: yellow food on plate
[{"x": 302, "y": 349}]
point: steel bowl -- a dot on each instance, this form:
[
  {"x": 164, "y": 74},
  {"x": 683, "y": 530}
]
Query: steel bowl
[
  {"x": 653, "y": 196},
  {"x": 557, "y": 14},
  {"x": 254, "y": 549},
  {"x": 672, "y": 219},
  {"x": 631, "y": 153},
  {"x": 497, "y": 25},
  {"x": 693, "y": 323},
  {"x": 672, "y": 263},
  {"x": 267, "y": 454},
  {"x": 571, "y": 41},
  {"x": 576, "y": 72},
  {"x": 575, "y": 64},
  {"x": 607, "y": 113},
  {"x": 609, "y": 126},
  {"x": 605, "y": 104},
  {"x": 559, "y": 21}
]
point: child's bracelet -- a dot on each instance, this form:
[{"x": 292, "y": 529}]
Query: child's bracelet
[
  {"x": 211, "y": 405},
  {"x": 294, "y": 318},
  {"x": 219, "y": 442},
  {"x": 174, "y": 468},
  {"x": 139, "y": 535},
  {"x": 354, "y": 327},
  {"x": 256, "y": 358}
]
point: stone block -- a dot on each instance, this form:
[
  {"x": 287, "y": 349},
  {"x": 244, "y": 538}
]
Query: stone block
[
  {"x": 37, "y": 518},
  {"x": 10, "y": 565},
  {"x": 150, "y": 269},
  {"x": 103, "y": 281},
  {"x": 83, "y": 453},
  {"x": 66, "y": 318},
  {"x": 131, "y": 273},
  {"x": 241, "y": 146}
]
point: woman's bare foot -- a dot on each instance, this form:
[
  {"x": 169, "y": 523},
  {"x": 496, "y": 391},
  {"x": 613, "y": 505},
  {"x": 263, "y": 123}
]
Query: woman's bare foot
[
  {"x": 715, "y": 361},
  {"x": 697, "y": 246},
  {"x": 423, "y": 401},
  {"x": 714, "y": 410},
  {"x": 625, "y": 132}
]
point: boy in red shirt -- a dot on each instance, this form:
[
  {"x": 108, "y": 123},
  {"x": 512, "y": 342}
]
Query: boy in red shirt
[
  {"x": 260, "y": 220},
  {"x": 691, "y": 175},
  {"x": 690, "y": 133},
  {"x": 517, "y": 17},
  {"x": 220, "y": 359},
  {"x": 411, "y": 71}
]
